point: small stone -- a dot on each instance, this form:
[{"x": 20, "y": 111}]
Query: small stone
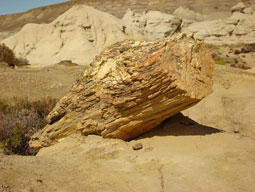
[{"x": 137, "y": 146}]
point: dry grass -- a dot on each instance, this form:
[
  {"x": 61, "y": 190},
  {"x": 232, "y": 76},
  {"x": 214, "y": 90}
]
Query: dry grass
[
  {"x": 7, "y": 56},
  {"x": 19, "y": 120},
  {"x": 219, "y": 62}
]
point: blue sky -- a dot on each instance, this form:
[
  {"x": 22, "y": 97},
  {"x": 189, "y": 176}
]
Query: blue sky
[{"x": 15, "y": 6}]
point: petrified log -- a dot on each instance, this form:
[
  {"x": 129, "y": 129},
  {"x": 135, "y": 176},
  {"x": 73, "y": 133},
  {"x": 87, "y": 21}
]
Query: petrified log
[{"x": 130, "y": 88}]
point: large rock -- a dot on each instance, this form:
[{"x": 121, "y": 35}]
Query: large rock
[
  {"x": 187, "y": 14},
  {"x": 130, "y": 88},
  {"x": 152, "y": 24},
  {"x": 78, "y": 35},
  {"x": 227, "y": 37},
  {"x": 237, "y": 29}
]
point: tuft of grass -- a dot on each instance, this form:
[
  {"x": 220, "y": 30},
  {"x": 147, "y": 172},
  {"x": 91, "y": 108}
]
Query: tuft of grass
[
  {"x": 219, "y": 62},
  {"x": 71, "y": 64},
  {"x": 19, "y": 120}
]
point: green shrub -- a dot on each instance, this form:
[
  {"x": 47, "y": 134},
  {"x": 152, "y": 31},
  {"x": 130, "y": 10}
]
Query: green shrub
[
  {"x": 219, "y": 62},
  {"x": 16, "y": 143},
  {"x": 19, "y": 120}
]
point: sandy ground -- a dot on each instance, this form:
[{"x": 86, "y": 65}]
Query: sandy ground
[
  {"x": 231, "y": 106},
  {"x": 35, "y": 83},
  {"x": 179, "y": 156}
]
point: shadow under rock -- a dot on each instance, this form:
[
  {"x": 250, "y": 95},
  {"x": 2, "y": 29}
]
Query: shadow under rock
[{"x": 180, "y": 125}]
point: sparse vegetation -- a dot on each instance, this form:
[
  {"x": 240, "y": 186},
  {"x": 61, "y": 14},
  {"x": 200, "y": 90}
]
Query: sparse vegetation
[
  {"x": 67, "y": 63},
  {"x": 7, "y": 56},
  {"x": 19, "y": 120},
  {"x": 70, "y": 64},
  {"x": 21, "y": 61},
  {"x": 219, "y": 62}
]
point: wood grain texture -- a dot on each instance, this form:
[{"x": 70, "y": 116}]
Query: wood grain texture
[{"x": 130, "y": 88}]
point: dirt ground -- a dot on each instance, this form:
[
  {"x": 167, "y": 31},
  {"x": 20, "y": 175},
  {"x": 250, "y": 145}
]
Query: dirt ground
[
  {"x": 231, "y": 107},
  {"x": 213, "y": 149},
  {"x": 35, "y": 83},
  {"x": 178, "y": 156}
]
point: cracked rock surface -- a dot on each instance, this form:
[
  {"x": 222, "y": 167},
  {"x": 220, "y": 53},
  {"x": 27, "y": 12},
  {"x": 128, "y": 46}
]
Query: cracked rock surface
[{"x": 130, "y": 88}]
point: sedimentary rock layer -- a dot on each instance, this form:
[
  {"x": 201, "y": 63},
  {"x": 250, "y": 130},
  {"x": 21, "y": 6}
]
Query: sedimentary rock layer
[
  {"x": 130, "y": 88},
  {"x": 78, "y": 35}
]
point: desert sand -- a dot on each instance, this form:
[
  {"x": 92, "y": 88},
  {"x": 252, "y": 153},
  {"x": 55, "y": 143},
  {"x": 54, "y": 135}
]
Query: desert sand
[
  {"x": 180, "y": 156},
  {"x": 212, "y": 149}
]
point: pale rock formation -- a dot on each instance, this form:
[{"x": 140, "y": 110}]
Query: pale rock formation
[
  {"x": 226, "y": 35},
  {"x": 239, "y": 7},
  {"x": 248, "y": 10},
  {"x": 187, "y": 14},
  {"x": 153, "y": 24},
  {"x": 130, "y": 88},
  {"x": 237, "y": 29},
  {"x": 77, "y": 35},
  {"x": 186, "y": 23}
]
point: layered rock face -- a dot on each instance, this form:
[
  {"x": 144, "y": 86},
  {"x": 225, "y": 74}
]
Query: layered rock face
[
  {"x": 152, "y": 24},
  {"x": 82, "y": 32},
  {"x": 187, "y": 14},
  {"x": 77, "y": 35},
  {"x": 130, "y": 88},
  {"x": 236, "y": 29}
]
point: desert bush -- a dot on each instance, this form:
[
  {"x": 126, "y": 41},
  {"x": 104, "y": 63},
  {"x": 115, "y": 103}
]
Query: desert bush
[
  {"x": 67, "y": 63},
  {"x": 19, "y": 120},
  {"x": 21, "y": 61},
  {"x": 7, "y": 55},
  {"x": 219, "y": 62}
]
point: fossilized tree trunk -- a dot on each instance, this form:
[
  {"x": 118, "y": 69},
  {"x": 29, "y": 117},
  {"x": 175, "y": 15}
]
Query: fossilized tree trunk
[{"x": 130, "y": 88}]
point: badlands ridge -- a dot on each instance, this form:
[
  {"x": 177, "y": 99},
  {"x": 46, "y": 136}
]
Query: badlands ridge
[{"x": 82, "y": 32}]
